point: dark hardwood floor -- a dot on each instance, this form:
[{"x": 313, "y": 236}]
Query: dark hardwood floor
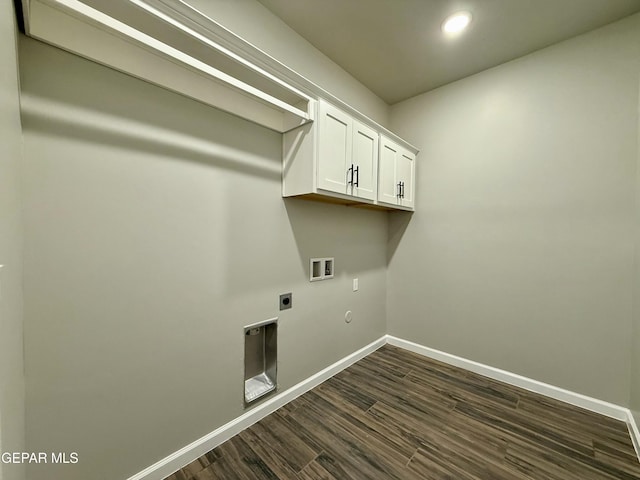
[{"x": 398, "y": 415}]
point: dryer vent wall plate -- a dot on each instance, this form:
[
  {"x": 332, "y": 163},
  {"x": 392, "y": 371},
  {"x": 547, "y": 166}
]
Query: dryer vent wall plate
[
  {"x": 260, "y": 360},
  {"x": 321, "y": 268}
]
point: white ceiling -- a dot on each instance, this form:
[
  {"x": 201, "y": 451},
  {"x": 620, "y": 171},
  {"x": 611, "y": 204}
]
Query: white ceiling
[{"x": 396, "y": 48}]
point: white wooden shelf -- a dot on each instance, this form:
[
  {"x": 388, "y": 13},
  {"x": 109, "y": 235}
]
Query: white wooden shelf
[{"x": 157, "y": 41}]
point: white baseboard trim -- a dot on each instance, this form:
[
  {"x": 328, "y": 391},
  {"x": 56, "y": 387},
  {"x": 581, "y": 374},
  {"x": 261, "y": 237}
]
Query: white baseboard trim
[
  {"x": 577, "y": 399},
  {"x": 184, "y": 456},
  {"x": 635, "y": 433}
]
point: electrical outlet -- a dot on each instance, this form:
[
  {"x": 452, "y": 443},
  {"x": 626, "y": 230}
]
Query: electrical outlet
[{"x": 286, "y": 301}]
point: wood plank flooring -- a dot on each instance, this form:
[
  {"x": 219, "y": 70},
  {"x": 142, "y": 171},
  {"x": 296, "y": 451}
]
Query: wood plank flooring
[{"x": 398, "y": 415}]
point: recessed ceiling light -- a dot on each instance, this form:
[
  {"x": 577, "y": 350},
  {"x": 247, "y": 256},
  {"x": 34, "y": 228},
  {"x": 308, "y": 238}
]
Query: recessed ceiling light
[{"x": 456, "y": 23}]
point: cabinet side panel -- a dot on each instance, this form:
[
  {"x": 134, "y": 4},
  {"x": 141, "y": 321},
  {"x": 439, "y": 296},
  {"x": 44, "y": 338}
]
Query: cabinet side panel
[{"x": 298, "y": 168}]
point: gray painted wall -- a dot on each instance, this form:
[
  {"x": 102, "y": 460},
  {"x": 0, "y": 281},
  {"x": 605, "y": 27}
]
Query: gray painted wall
[
  {"x": 256, "y": 24},
  {"x": 635, "y": 361},
  {"x": 155, "y": 230},
  {"x": 11, "y": 365},
  {"x": 521, "y": 252}
]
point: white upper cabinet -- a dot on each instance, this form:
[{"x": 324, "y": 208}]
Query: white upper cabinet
[
  {"x": 339, "y": 159},
  {"x": 396, "y": 181}
]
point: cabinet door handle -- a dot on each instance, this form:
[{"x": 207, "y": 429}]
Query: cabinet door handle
[
  {"x": 402, "y": 189},
  {"x": 399, "y": 195},
  {"x": 350, "y": 178},
  {"x": 357, "y": 183}
]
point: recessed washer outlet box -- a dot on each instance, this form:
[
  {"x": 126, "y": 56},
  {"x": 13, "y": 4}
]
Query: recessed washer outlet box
[
  {"x": 286, "y": 301},
  {"x": 321, "y": 269}
]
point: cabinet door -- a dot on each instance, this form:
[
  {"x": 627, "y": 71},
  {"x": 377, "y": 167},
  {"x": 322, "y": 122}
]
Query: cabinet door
[
  {"x": 405, "y": 173},
  {"x": 334, "y": 149},
  {"x": 387, "y": 185},
  {"x": 365, "y": 161}
]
